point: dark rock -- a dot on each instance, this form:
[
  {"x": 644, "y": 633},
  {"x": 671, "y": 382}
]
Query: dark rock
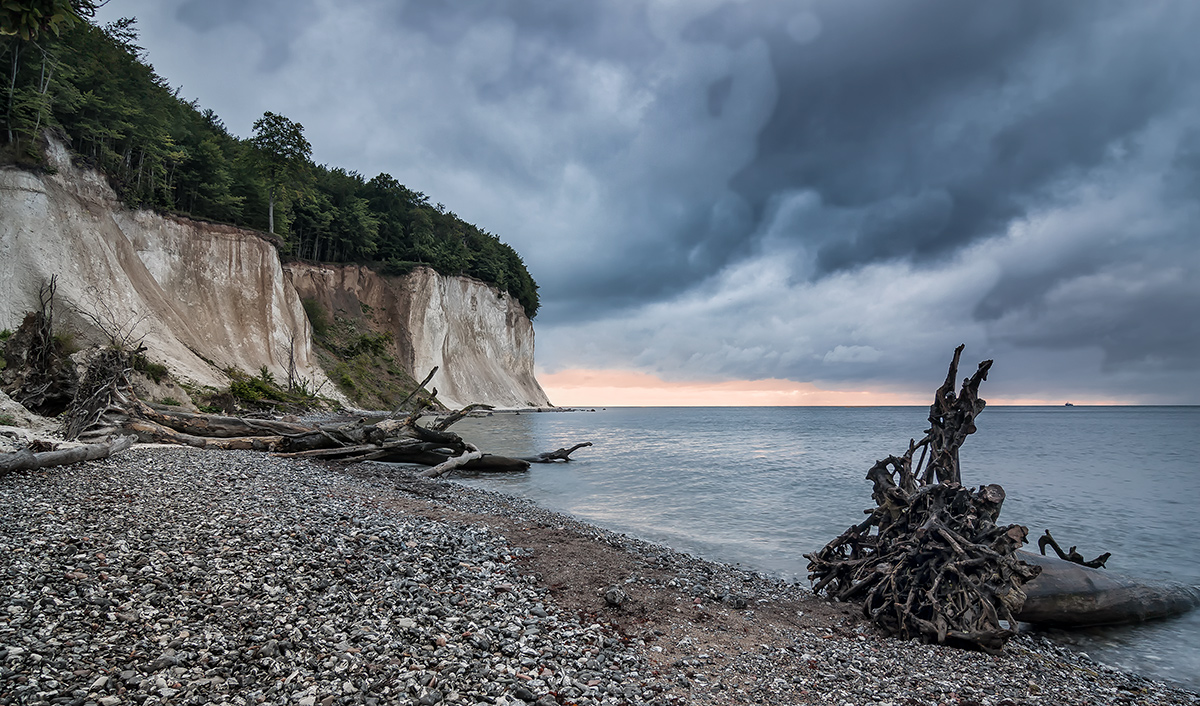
[{"x": 615, "y": 596}]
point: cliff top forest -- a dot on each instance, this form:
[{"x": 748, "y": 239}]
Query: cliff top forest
[{"x": 93, "y": 86}]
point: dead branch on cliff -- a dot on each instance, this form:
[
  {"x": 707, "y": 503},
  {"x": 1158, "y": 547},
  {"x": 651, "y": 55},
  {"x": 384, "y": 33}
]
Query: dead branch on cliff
[
  {"x": 937, "y": 566},
  {"x": 38, "y": 374}
]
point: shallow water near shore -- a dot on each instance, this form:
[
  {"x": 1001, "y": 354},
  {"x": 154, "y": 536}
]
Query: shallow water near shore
[{"x": 762, "y": 486}]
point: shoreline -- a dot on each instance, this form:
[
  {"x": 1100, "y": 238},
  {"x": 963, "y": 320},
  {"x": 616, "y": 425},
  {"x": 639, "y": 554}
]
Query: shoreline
[{"x": 173, "y": 575}]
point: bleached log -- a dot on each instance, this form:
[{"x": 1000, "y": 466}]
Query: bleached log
[
  {"x": 445, "y": 467},
  {"x": 26, "y": 460},
  {"x": 152, "y": 432},
  {"x": 211, "y": 425}
]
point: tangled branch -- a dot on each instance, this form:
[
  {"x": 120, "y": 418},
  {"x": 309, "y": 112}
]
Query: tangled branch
[{"x": 937, "y": 566}]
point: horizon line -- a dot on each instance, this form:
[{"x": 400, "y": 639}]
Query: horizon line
[{"x": 578, "y": 387}]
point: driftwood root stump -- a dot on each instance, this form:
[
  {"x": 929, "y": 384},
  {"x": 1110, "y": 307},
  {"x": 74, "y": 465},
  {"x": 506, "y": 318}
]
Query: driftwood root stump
[{"x": 929, "y": 561}]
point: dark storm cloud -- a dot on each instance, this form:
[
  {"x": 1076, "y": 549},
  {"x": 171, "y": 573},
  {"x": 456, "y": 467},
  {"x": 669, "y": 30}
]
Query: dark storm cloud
[
  {"x": 276, "y": 21},
  {"x": 836, "y": 191},
  {"x": 893, "y": 101},
  {"x": 663, "y": 223},
  {"x": 591, "y": 28}
]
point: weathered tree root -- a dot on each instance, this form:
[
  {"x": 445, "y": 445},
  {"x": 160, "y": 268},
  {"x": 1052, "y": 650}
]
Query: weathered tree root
[
  {"x": 1072, "y": 556},
  {"x": 938, "y": 567}
]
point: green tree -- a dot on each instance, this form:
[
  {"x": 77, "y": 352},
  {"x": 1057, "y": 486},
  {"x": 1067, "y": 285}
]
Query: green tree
[
  {"x": 22, "y": 22},
  {"x": 93, "y": 86},
  {"x": 28, "y": 19},
  {"x": 285, "y": 156}
]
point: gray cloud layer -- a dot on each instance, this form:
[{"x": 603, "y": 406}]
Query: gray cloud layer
[{"x": 830, "y": 191}]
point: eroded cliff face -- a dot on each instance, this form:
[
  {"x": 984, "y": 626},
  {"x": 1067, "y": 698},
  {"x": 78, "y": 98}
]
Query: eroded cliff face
[
  {"x": 204, "y": 297},
  {"x": 479, "y": 337},
  {"x": 191, "y": 289}
]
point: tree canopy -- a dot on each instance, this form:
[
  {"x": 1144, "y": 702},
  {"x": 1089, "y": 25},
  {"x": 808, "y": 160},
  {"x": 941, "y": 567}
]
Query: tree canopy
[
  {"x": 283, "y": 153},
  {"x": 28, "y": 19},
  {"x": 91, "y": 85}
]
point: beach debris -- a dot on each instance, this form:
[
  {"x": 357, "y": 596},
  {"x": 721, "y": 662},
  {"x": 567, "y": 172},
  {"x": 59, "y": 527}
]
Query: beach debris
[
  {"x": 1071, "y": 595},
  {"x": 929, "y": 561},
  {"x": 1047, "y": 540},
  {"x": 36, "y": 456},
  {"x": 563, "y": 455},
  {"x": 108, "y": 404}
]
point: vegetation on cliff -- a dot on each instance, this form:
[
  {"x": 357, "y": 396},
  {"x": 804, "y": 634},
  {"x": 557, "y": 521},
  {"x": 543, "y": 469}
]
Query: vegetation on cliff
[
  {"x": 93, "y": 86},
  {"x": 358, "y": 358}
]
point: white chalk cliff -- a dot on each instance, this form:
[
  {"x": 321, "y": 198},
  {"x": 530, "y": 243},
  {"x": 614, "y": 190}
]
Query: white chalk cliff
[
  {"x": 479, "y": 337},
  {"x": 206, "y": 297}
]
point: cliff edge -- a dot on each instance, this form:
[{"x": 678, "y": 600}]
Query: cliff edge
[
  {"x": 479, "y": 337},
  {"x": 206, "y": 297},
  {"x": 203, "y": 297}
]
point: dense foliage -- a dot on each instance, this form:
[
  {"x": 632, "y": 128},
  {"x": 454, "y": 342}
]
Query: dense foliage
[{"x": 91, "y": 85}]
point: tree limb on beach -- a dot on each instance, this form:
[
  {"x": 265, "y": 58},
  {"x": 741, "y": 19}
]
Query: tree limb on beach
[
  {"x": 27, "y": 460},
  {"x": 563, "y": 455},
  {"x": 111, "y": 404},
  {"x": 1072, "y": 556},
  {"x": 103, "y": 402}
]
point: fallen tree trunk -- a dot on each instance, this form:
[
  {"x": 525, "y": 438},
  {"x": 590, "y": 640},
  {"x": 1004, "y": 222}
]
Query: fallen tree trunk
[
  {"x": 27, "y": 460},
  {"x": 211, "y": 425},
  {"x": 110, "y": 404},
  {"x": 1068, "y": 594},
  {"x": 563, "y": 455},
  {"x": 154, "y": 433}
]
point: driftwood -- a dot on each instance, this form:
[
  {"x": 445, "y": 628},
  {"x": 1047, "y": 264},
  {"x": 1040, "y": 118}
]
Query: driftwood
[
  {"x": 1071, "y": 595},
  {"x": 1047, "y": 540},
  {"x": 28, "y": 460},
  {"x": 937, "y": 566},
  {"x": 563, "y": 455},
  {"x": 109, "y": 404},
  {"x": 420, "y": 386},
  {"x": 470, "y": 454}
]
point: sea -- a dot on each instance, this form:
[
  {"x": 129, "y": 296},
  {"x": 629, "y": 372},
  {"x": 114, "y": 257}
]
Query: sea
[{"x": 761, "y": 486}]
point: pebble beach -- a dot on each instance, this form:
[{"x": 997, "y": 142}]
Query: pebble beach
[{"x": 181, "y": 576}]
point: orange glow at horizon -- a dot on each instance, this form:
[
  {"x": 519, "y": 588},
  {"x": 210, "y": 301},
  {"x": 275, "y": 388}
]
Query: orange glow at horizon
[{"x": 623, "y": 388}]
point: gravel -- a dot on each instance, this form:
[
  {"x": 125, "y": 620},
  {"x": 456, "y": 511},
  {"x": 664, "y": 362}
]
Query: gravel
[{"x": 177, "y": 576}]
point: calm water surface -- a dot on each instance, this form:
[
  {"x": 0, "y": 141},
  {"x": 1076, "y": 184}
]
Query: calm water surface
[{"x": 761, "y": 486}]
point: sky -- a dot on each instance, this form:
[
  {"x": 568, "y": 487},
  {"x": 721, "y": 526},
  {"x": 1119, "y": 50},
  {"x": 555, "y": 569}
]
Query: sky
[{"x": 771, "y": 201}]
